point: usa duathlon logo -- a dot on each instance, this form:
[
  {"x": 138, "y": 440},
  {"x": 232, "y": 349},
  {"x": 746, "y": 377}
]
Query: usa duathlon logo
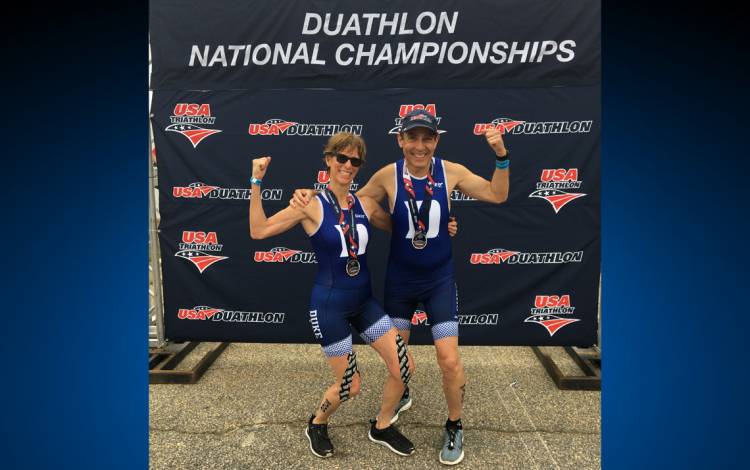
[
  {"x": 405, "y": 109},
  {"x": 282, "y": 127},
  {"x": 188, "y": 118},
  {"x": 503, "y": 124},
  {"x": 420, "y": 318},
  {"x": 281, "y": 254},
  {"x": 206, "y": 313},
  {"x": 324, "y": 177},
  {"x": 200, "y": 248},
  {"x": 271, "y": 127},
  {"x": 199, "y": 190},
  {"x": 503, "y": 256},
  {"x": 555, "y": 185},
  {"x": 516, "y": 127},
  {"x": 547, "y": 309}
]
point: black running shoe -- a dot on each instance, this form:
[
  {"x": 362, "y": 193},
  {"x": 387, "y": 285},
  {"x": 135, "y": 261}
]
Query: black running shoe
[
  {"x": 320, "y": 443},
  {"x": 391, "y": 438}
]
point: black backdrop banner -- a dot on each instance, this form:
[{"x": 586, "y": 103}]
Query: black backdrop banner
[{"x": 527, "y": 270}]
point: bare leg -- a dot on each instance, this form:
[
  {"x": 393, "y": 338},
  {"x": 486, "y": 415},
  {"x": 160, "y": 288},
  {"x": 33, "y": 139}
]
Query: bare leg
[
  {"x": 454, "y": 379},
  {"x": 332, "y": 398},
  {"x": 394, "y": 385},
  {"x": 405, "y": 336}
]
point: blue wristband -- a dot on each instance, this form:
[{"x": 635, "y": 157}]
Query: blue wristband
[
  {"x": 254, "y": 180},
  {"x": 502, "y": 165}
]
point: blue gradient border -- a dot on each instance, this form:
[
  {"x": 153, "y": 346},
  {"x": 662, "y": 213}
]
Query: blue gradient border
[
  {"x": 75, "y": 330},
  {"x": 673, "y": 267}
]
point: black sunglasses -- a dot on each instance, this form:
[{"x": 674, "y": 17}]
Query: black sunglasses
[{"x": 341, "y": 158}]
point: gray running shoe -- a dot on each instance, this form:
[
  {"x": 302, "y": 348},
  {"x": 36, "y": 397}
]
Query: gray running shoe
[
  {"x": 453, "y": 447},
  {"x": 403, "y": 405}
]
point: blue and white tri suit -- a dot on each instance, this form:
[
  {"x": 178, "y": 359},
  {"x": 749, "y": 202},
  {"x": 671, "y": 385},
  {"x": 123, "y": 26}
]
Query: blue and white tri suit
[
  {"x": 422, "y": 276},
  {"x": 339, "y": 300}
]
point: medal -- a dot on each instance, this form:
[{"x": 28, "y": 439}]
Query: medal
[
  {"x": 419, "y": 240},
  {"x": 419, "y": 216},
  {"x": 349, "y": 230},
  {"x": 352, "y": 267}
]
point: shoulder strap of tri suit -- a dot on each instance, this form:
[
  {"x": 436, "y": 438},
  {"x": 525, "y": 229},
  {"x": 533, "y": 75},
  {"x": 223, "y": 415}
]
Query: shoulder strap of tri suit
[
  {"x": 396, "y": 173},
  {"x": 324, "y": 203},
  {"x": 361, "y": 206},
  {"x": 398, "y": 168},
  {"x": 440, "y": 163}
]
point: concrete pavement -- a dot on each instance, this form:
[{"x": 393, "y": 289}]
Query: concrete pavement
[{"x": 251, "y": 407}]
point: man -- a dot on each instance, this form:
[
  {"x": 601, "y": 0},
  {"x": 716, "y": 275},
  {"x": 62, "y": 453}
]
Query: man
[{"x": 420, "y": 265}]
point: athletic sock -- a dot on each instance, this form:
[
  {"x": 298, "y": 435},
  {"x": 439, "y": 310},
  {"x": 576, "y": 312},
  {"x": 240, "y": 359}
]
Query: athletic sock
[{"x": 453, "y": 424}]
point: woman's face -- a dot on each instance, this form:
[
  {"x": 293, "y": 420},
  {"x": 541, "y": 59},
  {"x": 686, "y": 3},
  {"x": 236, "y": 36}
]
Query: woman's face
[{"x": 343, "y": 173}]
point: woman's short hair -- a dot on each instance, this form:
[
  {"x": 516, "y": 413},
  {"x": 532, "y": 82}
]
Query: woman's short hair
[{"x": 343, "y": 140}]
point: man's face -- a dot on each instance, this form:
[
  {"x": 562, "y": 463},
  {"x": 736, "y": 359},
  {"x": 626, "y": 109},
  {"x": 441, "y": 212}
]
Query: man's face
[{"x": 418, "y": 145}]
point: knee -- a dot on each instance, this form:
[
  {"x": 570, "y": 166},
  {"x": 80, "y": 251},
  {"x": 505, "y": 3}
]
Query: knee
[
  {"x": 349, "y": 390},
  {"x": 450, "y": 365}
]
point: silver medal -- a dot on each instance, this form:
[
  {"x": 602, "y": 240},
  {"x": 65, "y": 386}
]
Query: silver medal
[
  {"x": 419, "y": 240},
  {"x": 352, "y": 267}
]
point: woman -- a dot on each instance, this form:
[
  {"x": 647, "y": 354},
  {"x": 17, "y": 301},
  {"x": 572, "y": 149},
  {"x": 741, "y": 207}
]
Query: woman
[{"x": 338, "y": 227}]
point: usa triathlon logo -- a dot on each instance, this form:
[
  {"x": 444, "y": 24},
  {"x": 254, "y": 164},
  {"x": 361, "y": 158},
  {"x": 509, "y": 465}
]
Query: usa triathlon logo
[
  {"x": 200, "y": 248},
  {"x": 503, "y": 124},
  {"x": 546, "y": 310},
  {"x": 405, "y": 109},
  {"x": 200, "y": 190},
  {"x": 234, "y": 316},
  {"x": 188, "y": 119},
  {"x": 281, "y": 254},
  {"x": 324, "y": 177},
  {"x": 555, "y": 185},
  {"x": 280, "y": 127},
  {"x": 515, "y": 127},
  {"x": 503, "y": 256}
]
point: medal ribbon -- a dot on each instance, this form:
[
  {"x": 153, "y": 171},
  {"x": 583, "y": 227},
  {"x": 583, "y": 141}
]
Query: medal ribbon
[
  {"x": 348, "y": 227},
  {"x": 419, "y": 217}
]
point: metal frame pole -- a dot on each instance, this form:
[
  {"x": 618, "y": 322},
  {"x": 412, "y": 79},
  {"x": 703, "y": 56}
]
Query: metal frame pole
[{"x": 156, "y": 304}]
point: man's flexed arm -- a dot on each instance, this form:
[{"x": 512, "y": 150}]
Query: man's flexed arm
[{"x": 477, "y": 187}]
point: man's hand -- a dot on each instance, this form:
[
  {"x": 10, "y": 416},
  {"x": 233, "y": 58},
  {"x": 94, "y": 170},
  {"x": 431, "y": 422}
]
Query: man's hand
[
  {"x": 495, "y": 140},
  {"x": 301, "y": 198},
  {"x": 452, "y": 226},
  {"x": 260, "y": 165}
]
